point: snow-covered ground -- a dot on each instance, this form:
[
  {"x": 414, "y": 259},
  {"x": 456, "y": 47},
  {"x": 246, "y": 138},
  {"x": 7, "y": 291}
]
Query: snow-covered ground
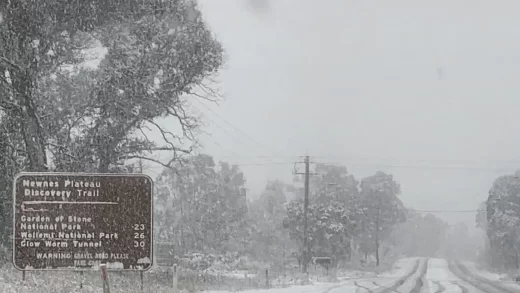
[
  {"x": 350, "y": 282},
  {"x": 69, "y": 282},
  {"x": 314, "y": 288},
  {"x": 503, "y": 278},
  {"x": 400, "y": 268},
  {"x": 475, "y": 269}
]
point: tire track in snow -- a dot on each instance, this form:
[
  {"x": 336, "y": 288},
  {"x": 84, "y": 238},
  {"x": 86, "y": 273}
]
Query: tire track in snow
[
  {"x": 441, "y": 288},
  {"x": 462, "y": 288},
  {"x": 477, "y": 281},
  {"x": 332, "y": 288},
  {"x": 418, "y": 286},
  {"x": 419, "y": 283},
  {"x": 403, "y": 280},
  {"x": 384, "y": 289},
  {"x": 364, "y": 288},
  {"x": 387, "y": 289}
]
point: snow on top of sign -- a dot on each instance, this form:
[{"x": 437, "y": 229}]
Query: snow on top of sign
[
  {"x": 115, "y": 265},
  {"x": 145, "y": 260},
  {"x": 96, "y": 265}
]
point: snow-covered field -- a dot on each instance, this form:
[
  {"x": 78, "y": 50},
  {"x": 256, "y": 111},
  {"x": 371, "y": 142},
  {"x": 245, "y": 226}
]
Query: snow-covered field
[
  {"x": 314, "y": 288},
  {"x": 351, "y": 281},
  {"x": 70, "y": 282}
]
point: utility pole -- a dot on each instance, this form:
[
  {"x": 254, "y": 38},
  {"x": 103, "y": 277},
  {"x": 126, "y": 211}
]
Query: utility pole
[{"x": 306, "y": 247}]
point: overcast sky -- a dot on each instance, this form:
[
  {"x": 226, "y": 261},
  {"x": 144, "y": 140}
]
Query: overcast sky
[{"x": 425, "y": 90}]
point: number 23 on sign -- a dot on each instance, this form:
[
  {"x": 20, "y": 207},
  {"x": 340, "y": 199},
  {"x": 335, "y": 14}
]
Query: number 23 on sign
[{"x": 139, "y": 236}]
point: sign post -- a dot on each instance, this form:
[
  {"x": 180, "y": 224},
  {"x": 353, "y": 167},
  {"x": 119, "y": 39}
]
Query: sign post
[
  {"x": 175, "y": 286},
  {"x": 325, "y": 262},
  {"x": 77, "y": 221},
  {"x": 104, "y": 277}
]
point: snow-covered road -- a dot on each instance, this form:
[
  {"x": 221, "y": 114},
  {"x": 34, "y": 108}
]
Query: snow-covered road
[
  {"x": 430, "y": 276},
  {"x": 439, "y": 279},
  {"x": 420, "y": 275}
]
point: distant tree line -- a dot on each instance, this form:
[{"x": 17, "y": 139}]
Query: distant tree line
[{"x": 204, "y": 207}]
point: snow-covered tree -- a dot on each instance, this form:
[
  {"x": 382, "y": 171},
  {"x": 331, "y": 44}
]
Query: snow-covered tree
[
  {"x": 381, "y": 209},
  {"x": 460, "y": 244},
  {"x": 201, "y": 206},
  {"x": 332, "y": 212},
  {"x": 420, "y": 235},
  {"x": 503, "y": 220},
  {"x": 72, "y": 118},
  {"x": 269, "y": 241},
  {"x": 12, "y": 160},
  {"x": 481, "y": 217}
]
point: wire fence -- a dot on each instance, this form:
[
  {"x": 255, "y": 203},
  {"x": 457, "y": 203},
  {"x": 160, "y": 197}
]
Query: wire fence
[{"x": 158, "y": 280}]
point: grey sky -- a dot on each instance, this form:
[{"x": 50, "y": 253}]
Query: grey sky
[{"x": 420, "y": 85}]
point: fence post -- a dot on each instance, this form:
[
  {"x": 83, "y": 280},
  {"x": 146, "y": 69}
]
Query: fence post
[
  {"x": 142, "y": 280},
  {"x": 23, "y": 276},
  {"x": 81, "y": 279},
  {"x": 175, "y": 279},
  {"x": 104, "y": 277},
  {"x": 267, "y": 278}
]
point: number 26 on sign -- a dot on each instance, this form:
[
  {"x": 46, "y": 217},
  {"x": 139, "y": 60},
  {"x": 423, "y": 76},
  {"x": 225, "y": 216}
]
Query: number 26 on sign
[{"x": 139, "y": 236}]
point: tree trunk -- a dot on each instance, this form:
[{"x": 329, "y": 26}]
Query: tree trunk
[
  {"x": 377, "y": 236},
  {"x": 104, "y": 154},
  {"x": 23, "y": 81},
  {"x": 32, "y": 133},
  {"x": 349, "y": 249},
  {"x": 377, "y": 243},
  {"x": 377, "y": 252},
  {"x": 181, "y": 225},
  {"x": 3, "y": 222},
  {"x": 516, "y": 259}
]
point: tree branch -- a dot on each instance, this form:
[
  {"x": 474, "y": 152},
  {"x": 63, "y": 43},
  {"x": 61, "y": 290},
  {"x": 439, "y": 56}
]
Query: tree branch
[
  {"x": 168, "y": 165},
  {"x": 10, "y": 63},
  {"x": 62, "y": 150}
]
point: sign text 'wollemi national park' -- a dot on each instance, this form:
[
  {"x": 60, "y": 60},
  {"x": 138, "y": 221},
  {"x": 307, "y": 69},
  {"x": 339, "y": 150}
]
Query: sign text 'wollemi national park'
[{"x": 79, "y": 221}]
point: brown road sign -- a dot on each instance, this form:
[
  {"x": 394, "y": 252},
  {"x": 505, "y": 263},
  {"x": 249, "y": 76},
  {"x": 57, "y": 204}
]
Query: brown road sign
[{"x": 76, "y": 221}]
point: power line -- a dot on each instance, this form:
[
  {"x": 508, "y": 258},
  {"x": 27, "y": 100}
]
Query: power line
[
  {"x": 262, "y": 157},
  {"x": 340, "y": 161},
  {"x": 263, "y": 164},
  {"x": 218, "y": 144},
  {"x": 224, "y": 130},
  {"x": 405, "y": 166},
  {"x": 391, "y": 160},
  {"x": 238, "y": 129},
  {"x": 443, "y": 211}
]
